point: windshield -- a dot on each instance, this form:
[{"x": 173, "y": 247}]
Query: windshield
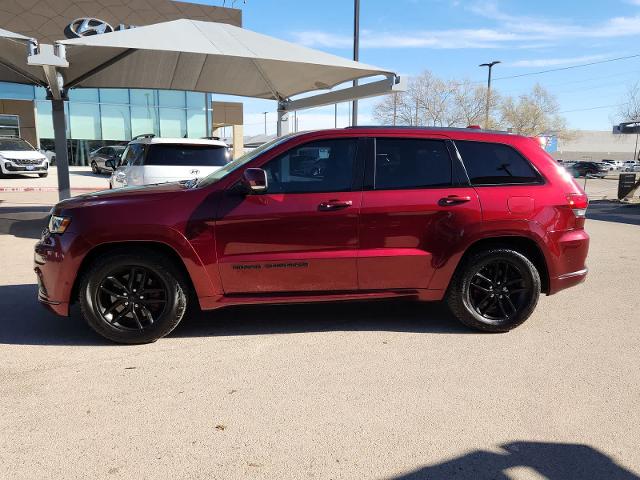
[
  {"x": 239, "y": 162},
  {"x": 15, "y": 145}
]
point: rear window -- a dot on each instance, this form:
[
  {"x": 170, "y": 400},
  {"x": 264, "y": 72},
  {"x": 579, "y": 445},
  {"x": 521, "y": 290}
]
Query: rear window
[
  {"x": 495, "y": 164},
  {"x": 14, "y": 145},
  {"x": 189, "y": 155}
]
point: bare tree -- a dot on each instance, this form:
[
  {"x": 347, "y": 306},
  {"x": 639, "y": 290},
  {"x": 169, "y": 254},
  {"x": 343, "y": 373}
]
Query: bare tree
[
  {"x": 533, "y": 114},
  {"x": 432, "y": 101},
  {"x": 630, "y": 110}
]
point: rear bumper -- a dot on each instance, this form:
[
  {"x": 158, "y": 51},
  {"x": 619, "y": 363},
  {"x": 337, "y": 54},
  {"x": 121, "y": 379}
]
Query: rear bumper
[
  {"x": 567, "y": 280},
  {"x": 567, "y": 267}
]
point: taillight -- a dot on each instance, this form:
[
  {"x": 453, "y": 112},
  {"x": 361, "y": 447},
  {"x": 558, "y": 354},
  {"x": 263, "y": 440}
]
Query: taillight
[{"x": 578, "y": 203}]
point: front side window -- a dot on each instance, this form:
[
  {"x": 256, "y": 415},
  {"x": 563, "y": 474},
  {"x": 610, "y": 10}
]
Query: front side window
[
  {"x": 495, "y": 164},
  {"x": 189, "y": 155},
  {"x": 320, "y": 166},
  {"x": 408, "y": 163}
]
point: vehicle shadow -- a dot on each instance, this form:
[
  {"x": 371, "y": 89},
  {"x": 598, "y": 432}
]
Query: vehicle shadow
[
  {"x": 23, "y": 222},
  {"x": 553, "y": 461},
  {"x": 614, "y": 212},
  {"x": 25, "y": 322}
]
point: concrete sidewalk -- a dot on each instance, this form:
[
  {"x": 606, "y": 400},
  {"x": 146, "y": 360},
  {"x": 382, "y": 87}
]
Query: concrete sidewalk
[{"x": 82, "y": 179}]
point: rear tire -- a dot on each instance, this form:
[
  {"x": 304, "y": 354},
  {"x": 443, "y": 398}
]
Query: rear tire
[
  {"x": 133, "y": 298},
  {"x": 494, "y": 290}
]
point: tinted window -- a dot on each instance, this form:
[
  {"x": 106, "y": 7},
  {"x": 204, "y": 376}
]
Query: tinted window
[
  {"x": 411, "y": 163},
  {"x": 494, "y": 163},
  {"x": 323, "y": 166},
  {"x": 14, "y": 145},
  {"x": 189, "y": 155}
]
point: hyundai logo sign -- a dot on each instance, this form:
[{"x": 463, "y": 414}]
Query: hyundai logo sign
[{"x": 84, "y": 27}]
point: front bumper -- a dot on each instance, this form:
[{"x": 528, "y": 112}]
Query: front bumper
[
  {"x": 10, "y": 167},
  {"x": 56, "y": 267}
]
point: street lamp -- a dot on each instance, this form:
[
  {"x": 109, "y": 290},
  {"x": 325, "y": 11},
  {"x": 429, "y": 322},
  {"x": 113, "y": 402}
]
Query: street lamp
[
  {"x": 265, "y": 122},
  {"x": 356, "y": 55},
  {"x": 486, "y": 113}
]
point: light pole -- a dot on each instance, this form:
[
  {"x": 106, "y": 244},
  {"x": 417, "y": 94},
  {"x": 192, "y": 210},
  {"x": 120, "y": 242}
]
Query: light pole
[
  {"x": 356, "y": 48},
  {"x": 265, "y": 122},
  {"x": 486, "y": 113}
]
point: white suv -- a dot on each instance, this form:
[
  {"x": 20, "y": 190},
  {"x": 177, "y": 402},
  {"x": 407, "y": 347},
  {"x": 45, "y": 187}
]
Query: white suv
[
  {"x": 148, "y": 159},
  {"x": 17, "y": 156}
]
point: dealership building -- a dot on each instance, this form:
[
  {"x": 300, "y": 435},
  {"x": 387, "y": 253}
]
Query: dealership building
[{"x": 97, "y": 116}]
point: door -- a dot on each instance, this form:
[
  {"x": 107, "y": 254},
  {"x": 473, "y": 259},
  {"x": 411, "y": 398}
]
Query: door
[
  {"x": 302, "y": 234},
  {"x": 415, "y": 210},
  {"x": 130, "y": 172}
]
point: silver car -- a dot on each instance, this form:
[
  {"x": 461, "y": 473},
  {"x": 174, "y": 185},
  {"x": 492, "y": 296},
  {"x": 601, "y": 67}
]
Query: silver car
[{"x": 98, "y": 158}]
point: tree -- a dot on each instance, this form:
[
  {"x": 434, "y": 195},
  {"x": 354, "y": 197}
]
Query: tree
[
  {"x": 432, "y": 101},
  {"x": 533, "y": 114}
]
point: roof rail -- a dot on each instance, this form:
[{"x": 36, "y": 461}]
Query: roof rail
[
  {"x": 210, "y": 138},
  {"x": 144, "y": 135},
  {"x": 444, "y": 129}
]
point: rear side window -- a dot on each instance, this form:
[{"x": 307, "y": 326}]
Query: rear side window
[
  {"x": 495, "y": 164},
  {"x": 406, "y": 163},
  {"x": 188, "y": 155}
]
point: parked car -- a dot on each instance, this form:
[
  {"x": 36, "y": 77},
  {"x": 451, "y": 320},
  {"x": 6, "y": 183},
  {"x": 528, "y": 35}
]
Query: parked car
[
  {"x": 629, "y": 165},
  {"x": 98, "y": 158},
  {"x": 19, "y": 156},
  {"x": 486, "y": 221},
  {"x": 589, "y": 169},
  {"x": 150, "y": 159},
  {"x": 614, "y": 165}
]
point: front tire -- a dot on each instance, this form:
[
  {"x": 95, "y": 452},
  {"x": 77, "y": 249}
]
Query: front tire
[
  {"x": 133, "y": 298},
  {"x": 43, "y": 175},
  {"x": 494, "y": 290},
  {"x": 94, "y": 168}
]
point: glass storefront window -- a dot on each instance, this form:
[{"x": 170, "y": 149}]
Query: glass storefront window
[
  {"x": 16, "y": 91},
  {"x": 41, "y": 93},
  {"x": 196, "y": 123},
  {"x": 84, "y": 120},
  {"x": 83, "y": 95},
  {"x": 114, "y": 95},
  {"x": 144, "y": 97},
  {"x": 171, "y": 98},
  {"x": 44, "y": 122},
  {"x": 173, "y": 122},
  {"x": 116, "y": 122},
  {"x": 195, "y": 100},
  {"x": 144, "y": 120}
]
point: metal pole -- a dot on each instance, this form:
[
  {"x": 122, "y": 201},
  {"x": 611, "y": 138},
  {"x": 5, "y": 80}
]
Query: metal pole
[
  {"x": 335, "y": 117},
  {"x": 356, "y": 49},
  {"x": 395, "y": 108},
  {"x": 265, "y": 122},
  {"x": 486, "y": 113},
  {"x": 283, "y": 121},
  {"x": 62, "y": 155}
]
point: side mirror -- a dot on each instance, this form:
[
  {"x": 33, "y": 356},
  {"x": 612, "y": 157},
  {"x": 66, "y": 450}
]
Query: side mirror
[
  {"x": 255, "y": 180},
  {"x": 111, "y": 164}
]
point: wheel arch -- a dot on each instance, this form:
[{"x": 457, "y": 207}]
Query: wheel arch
[
  {"x": 127, "y": 247},
  {"x": 521, "y": 244}
]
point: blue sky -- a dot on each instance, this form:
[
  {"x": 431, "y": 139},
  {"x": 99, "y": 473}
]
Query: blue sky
[{"x": 451, "y": 37}]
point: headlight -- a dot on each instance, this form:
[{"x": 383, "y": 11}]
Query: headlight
[{"x": 58, "y": 224}]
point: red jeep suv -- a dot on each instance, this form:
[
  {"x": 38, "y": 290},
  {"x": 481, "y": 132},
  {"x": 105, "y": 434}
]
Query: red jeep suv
[{"x": 485, "y": 220}]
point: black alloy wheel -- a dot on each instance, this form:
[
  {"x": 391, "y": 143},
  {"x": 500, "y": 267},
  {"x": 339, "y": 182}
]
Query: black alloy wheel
[
  {"x": 498, "y": 291},
  {"x": 494, "y": 290},
  {"x": 134, "y": 297}
]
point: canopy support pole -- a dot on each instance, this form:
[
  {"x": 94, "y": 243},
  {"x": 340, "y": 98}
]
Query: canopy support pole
[
  {"x": 62, "y": 155},
  {"x": 283, "y": 120}
]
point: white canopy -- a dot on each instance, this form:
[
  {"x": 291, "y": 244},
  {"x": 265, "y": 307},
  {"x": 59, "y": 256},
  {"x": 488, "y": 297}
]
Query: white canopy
[
  {"x": 207, "y": 57},
  {"x": 13, "y": 52}
]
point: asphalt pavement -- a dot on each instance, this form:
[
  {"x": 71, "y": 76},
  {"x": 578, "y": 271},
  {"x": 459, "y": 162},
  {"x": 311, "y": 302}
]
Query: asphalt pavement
[{"x": 385, "y": 390}]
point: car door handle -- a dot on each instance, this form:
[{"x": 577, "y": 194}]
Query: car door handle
[
  {"x": 334, "y": 205},
  {"x": 453, "y": 200}
]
